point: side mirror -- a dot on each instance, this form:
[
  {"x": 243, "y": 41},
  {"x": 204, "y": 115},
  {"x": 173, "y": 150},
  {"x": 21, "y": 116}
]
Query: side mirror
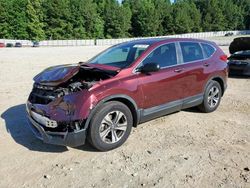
[{"x": 149, "y": 67}]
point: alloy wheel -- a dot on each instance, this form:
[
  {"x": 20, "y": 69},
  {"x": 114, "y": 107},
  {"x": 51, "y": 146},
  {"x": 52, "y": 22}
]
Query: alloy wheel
[
  {"x": 213, "y": 96},
  {"x": 113, "y": 127}
]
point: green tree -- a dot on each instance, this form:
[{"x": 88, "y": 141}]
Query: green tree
[
  {"x": 164, "y": 11},
  {"x": 195, "y": 17},
  {"x": 212, "y": 15},
  {"x": 18, "y": 19},
  {"x": 245, "y": 4},
  {"x": 57, "y": 19},
  {"x": 233, "y": 14},
  {"x": 77, "y": 19},
  {"x": 94, "y": 25},
  {"x": 4, "y": 19},
  {"x": 145, "y": 18},
  {"x": 116, "y": 17},
  {"x": 34, "y": 20},
  {"x": 81, "y": 19},
  {"x": 186, "y": 17},
  {"x": 86, "y": 20}
]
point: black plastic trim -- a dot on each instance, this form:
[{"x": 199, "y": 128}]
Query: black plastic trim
[
  {"x": 158, "y": 111},
  {"x": 72, "y": 139},
  {"x": 192, "y": 101}
]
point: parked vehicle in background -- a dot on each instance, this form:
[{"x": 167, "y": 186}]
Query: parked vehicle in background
[
  {"x": 9, "y": 45},
  {"x": 2, "y": 45},
  {"x": 123, "y": 86},
  {"x": 35, "y": 44},
  {"x": 239, "y": 61},
  {"x": 18, "y": 45},
  {"x": 229, "y": 34}
]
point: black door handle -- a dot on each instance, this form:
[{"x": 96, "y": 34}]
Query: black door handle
[
  {"x": 206, "y": 64},
  {"x": 178, "y": 70}
]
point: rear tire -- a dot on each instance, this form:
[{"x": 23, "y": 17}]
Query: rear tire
[
  {"x": 110, "y": 126},
  {"x": 212, "y": 97}
]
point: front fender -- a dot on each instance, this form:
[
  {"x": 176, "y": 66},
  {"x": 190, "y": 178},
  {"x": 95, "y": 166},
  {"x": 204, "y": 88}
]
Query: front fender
[
  {"x": 75, "y": 106},
  {"x": 110, "y": 98}
]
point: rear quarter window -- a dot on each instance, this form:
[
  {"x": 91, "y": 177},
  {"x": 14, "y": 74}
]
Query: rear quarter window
[
  {"x": 191, "y": 51},
  {"x": 208, "y": 50}
]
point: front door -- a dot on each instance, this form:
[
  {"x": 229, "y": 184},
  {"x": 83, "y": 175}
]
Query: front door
[{"x": 165, "y": 86}]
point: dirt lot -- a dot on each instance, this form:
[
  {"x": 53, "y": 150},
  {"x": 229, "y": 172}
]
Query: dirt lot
[{"x": 184, "y": 149}]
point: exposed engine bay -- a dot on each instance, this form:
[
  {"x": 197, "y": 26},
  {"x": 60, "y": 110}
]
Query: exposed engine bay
[{"x": 82, "y": 77}]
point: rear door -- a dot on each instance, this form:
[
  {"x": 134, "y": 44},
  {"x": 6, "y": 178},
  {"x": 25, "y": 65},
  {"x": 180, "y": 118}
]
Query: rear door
[{"x": 194, "y": 67}]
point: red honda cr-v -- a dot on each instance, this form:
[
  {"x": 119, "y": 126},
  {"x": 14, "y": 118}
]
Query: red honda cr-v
[{"x": 123, "y": 86}]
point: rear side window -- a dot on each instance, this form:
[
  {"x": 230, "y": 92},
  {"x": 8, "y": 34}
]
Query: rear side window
[
  {"x": 208, "y": 50},
  {"x": 191, "y": 51},
  {"x": 164, "y": 55}
]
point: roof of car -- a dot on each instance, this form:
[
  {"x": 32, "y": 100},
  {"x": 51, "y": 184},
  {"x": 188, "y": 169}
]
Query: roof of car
[
  {"x": 151, "y": 41},
  {"x": 146, "y": 41}
]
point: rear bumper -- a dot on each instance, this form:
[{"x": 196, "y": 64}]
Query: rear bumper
[
  {"x": 239, "y": 68},
  {"x": 72, "y": 139}
]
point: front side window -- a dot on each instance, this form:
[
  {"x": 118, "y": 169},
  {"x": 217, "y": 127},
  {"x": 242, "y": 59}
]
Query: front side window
[
  {"x": 191, "y": 51},
  {"x": 164, "y": 55},
  {"x": 120, "y": 56}
]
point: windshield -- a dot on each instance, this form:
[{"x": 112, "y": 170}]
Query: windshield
[{"x": 120, "y": 56}]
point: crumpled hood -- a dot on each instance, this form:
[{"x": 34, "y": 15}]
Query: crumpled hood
[
  {"x": 240, "y": 44},
  {"x": 56, "y": 75}
]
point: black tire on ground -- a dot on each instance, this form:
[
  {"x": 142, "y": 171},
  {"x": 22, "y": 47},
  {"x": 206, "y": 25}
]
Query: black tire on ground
[
  {"x": 96, "y": 124},
  {"x": 206, "y": 106}
]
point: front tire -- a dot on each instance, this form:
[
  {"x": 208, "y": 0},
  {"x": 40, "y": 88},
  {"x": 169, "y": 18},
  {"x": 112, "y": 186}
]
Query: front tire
[
  {"x": 110, "y": 126},
  {"x": 212, "y": 97}
]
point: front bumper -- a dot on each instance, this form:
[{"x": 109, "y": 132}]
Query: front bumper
[{"x": 72, "y": 139}]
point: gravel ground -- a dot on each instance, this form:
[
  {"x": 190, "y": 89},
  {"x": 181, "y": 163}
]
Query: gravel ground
[{"x": 184, "y": 149}]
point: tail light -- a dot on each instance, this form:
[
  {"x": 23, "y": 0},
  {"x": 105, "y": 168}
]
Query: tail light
[{"x": 223, "y": 58}]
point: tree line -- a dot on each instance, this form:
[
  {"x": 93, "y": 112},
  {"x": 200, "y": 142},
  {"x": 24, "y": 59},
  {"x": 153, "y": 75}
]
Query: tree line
[{"x": 84, "y": 19}]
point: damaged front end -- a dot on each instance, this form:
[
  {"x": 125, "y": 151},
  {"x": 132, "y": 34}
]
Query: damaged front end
[{"x": 60, "y": 103}]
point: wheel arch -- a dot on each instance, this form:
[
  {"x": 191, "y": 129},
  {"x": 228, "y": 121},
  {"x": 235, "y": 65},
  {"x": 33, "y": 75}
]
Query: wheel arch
[
  {"x": 218, "y": 79},
  {"x": 221, "y": 82},
  {"x": 128, "y": 101}
]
